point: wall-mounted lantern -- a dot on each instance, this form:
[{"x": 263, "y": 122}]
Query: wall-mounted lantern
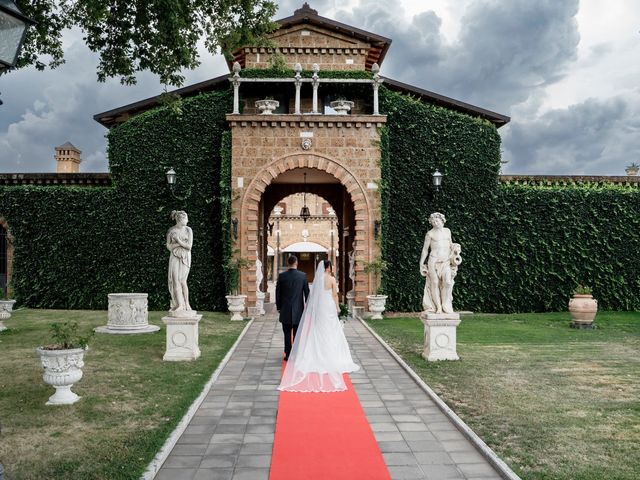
[
  {"x": 171, "y": 178},
  {"x": 437, "y": 180},
  {"x": 377, "y": 225}
]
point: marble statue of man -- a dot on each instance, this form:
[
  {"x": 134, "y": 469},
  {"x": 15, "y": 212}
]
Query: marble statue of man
[
  {"x": 441, "y": 267},
  {"x": 259, "y": 275},
  {"x": 179, "y": 243}
]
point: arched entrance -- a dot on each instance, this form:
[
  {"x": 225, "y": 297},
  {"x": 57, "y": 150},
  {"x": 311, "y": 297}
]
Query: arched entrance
[{"x": 327, "y": 178}]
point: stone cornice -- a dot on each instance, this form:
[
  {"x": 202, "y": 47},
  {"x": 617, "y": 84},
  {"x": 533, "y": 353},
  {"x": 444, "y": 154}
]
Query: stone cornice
[
  {"x": 48, "y": 179},
  {"x": 308, "y": 121},
  {"x": 568, "y": 180}
]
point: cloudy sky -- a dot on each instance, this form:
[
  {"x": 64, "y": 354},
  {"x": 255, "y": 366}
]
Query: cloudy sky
[{"x": 566, "y": 71}]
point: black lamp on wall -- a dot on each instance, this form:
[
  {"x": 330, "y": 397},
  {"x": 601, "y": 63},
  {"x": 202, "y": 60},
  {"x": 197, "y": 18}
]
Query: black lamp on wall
[
  {"x": 234, "y": 224},
  {"x": 304, "y": 212}
]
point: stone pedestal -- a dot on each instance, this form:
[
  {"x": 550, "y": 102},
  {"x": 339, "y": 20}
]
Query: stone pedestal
[
  {"x": 358, "y": 312},
  {"x": 182, "y": 337},
  {"x": 128, "y": 314},
  {"x": 440, "y": 336},
  {"x": 260, "y": 303},
  {"x": 351, "y": 300}
]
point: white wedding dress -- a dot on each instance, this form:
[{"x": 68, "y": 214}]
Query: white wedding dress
[{"x": 320, "y": 352}]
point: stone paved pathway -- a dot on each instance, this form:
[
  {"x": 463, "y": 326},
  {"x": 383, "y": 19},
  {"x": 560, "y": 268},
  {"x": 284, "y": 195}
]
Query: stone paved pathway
[{"x": 231, "y": 435}]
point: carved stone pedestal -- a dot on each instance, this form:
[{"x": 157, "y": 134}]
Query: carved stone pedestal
[
  {"x": 182, "y": 337},
  {"x": 128, "y": 314},
  {"x": 351, "y": 300},
  {"x": 260, "y": 303},
  {"x": 440, "y": 336}
]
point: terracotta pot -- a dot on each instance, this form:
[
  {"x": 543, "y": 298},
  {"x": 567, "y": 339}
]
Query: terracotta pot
[{"x": 583, "y": 309}]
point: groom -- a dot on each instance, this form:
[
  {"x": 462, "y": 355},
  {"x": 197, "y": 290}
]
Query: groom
[{"x": 292, "y": 290}]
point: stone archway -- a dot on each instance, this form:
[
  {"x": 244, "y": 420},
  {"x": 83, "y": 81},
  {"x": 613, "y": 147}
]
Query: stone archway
[
  {"x": 250, "y": 214},
  {"x": 6, "y": 257}
]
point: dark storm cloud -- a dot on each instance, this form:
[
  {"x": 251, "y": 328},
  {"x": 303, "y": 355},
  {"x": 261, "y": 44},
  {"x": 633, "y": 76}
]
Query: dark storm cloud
[
  {"x": 593, "y": 137},
  {"x": 505, "y": 50}
]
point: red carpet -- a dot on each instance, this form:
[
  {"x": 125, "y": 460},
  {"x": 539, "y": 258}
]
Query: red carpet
[{"x": 325, "y": 436}]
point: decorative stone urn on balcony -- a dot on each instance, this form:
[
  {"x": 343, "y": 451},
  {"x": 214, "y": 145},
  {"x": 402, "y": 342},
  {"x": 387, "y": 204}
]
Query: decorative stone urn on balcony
[
  {"x": 267, "y": 106},
  {"x": 342, "y": 107}
]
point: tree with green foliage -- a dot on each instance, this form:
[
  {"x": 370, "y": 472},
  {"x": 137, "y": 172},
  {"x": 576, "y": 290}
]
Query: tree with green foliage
[{"x": 132, "y": 35}]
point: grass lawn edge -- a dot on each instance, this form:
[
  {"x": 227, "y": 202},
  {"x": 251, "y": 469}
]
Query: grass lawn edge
[
  {"x": 495, "y": 461},
  {"x": 156, "y": 464}
]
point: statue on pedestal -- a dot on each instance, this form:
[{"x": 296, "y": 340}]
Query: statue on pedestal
[
  {"x": 259, "y": 275},
  {"x": 352, "y": 266},
  {"x": 179, "y": 243},
  {"x": 441, "y": 267}
]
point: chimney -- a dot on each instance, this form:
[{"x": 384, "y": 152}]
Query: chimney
[{"x": 67, "y": 158}]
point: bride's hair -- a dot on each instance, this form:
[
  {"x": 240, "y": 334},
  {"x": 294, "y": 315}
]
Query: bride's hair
[{"x": 327, "y": 264}]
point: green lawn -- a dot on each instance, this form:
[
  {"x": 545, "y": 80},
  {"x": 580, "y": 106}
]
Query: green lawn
[
  {"x": 131, "y": 399},
  {"x": 553, "y": 402}
]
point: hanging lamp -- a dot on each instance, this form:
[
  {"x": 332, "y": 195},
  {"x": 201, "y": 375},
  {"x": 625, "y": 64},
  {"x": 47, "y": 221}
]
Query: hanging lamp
[{"x": 304, "y": 212}]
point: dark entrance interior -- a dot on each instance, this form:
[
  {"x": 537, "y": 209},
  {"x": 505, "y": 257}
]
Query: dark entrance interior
[{"x": 329, "y": 188}]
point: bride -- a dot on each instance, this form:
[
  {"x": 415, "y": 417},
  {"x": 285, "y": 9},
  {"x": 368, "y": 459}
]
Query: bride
[{"x": 320, "y": 353}]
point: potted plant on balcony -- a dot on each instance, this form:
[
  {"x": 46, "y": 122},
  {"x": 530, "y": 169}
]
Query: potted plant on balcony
[
  {"x": 376, "y": 302},
  {"x": 6, "y": 307},
  {"x": 63, "y": 360},
  {"x": 582, "y": 307},
  {"x": 632, "y": 170},
  {"x": 235, "y": 301}
]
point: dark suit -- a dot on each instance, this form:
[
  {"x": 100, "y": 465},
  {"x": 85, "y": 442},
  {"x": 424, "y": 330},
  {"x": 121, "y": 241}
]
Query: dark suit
[{"x": 292, "y": 290}]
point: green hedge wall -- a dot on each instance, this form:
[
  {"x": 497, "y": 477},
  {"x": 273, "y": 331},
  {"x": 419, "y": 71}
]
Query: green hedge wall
[
  {"x": 523, "y": 248},
  {"x": 73, "y": 246}
]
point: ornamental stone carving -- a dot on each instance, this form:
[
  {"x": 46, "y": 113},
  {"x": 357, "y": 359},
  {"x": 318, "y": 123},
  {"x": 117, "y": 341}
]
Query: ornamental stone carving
[
  {"x": 6, "y": 307},
  {"x": 182, "y": 338},
  {"x": 127, "y": 314},
  {"x": 62, "y": 368},
  {"x": 440, "y": 336},
  {"x": 306, "y": 144}
]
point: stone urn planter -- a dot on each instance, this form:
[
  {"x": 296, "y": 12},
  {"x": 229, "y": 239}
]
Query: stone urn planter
[
  {"x": 583, "y": 309},
  {"x": 127, "y": 314},
  {"x": 376, "y": 305},
  {"x": 632, "y": 170},
  {"x": 62, "y": 368},
  {"x": 342, "y": 107},
  {"x": 267, "y": 106},
  {"x": 6, "y": 307},
  {"x": 236, "y": 306}
]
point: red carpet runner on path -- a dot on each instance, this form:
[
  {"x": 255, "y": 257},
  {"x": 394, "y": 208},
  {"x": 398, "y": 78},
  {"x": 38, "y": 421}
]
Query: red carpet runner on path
[{"x": 325, "y": 436}]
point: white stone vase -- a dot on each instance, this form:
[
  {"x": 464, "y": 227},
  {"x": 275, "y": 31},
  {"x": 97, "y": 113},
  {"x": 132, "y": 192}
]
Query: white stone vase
[
  {"x": 236, "y": 306},
  {"x": 631, "y": 171},
  {"x": 128, "y": 314},
  {"x": 583, "y": 310},
  {"x": 62, "y": 368},
  {"x": 376, "y": 305},
  {"x": 6, "y": 307},
  {"x": 267, "y": 106},
  {"x": 342, "y": 107}
]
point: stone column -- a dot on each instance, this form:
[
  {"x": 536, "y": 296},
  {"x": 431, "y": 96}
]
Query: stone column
[
  {"x": 315, "y": 82},
  {"x": 298, "y": 82},
  {"x": 375, "y": 68},
  {"x": 235, "y": 81}
]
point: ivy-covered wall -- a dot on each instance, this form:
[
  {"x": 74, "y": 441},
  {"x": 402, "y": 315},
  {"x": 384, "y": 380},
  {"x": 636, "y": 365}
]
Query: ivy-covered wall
[
  {"x": 523, "y": 248},
  {"x": 73, "y": 246}
]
